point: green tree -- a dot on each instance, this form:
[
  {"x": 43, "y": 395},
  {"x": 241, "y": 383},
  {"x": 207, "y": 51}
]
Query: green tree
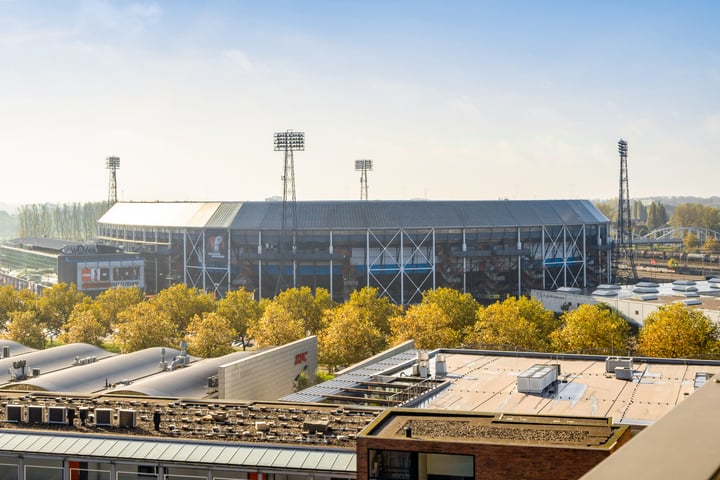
[
  {"x": 83, "y": 327},
  {"x": 374, "y": 309},
  {"x": 301, "y": 304},
  {"x": 427, "y": 324},
  {"x": 523, "y": 324},
  {"x": 278, "y": 325},
  {"x": 608, "y": 208},
  {"x": 210, "y": 335},
  {"x": 181, "y": 303},
  {"x": 711, "y": 244},
  {"x": 349, "y": 336},
  {"x": 676, "y": 331},
  {"x": 695, "y": 215},
  {"x": 55, "y": 306},
  {"x": 241, "y": 309},
  {"x": 639, "y": 211},
  {"x": 143, "y": 326},
  {"x": 460, "y": 308},
  {"x": 12, "y": 300},
  {"x": 656, "y": 216},
  {"x": 691, "y": 241},
  {"x": 108, "y": 304},
  {"x": 595, "y": 328},
  {"x": 25, "y": 329}
]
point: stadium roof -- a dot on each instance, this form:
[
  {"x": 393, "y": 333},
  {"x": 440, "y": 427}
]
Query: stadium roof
[
  {"x": 100, "y": 375},
  {"x": 188, "y": 382},
  {"x": 356, "y": 214}
]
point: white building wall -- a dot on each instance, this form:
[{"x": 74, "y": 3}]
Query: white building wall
[{"x": 268, "y": 375}]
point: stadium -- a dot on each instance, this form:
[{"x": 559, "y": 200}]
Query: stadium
[{"x": 489, "y": 249}]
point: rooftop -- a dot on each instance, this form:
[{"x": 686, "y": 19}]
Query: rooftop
[
  {"x": 487, "y": 381},
  {"x": 495, "y": 428}
]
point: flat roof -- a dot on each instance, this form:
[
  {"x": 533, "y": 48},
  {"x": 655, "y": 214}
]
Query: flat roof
[
  {"x": 420, "y": 424},
  {"x": 486, "y": 381}
]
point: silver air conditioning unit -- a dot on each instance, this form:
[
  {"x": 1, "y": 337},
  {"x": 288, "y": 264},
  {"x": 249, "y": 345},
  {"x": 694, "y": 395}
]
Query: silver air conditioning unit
[
  {"x": 538, "y": 378},
  {"x": 103, "y": 417},
  {"x": 14, "y": 413},
  {"x": 35, "y": 414},
  {"x": 127, "y": 418},
  {"x": 622, "y": 367},
  {"x": 57, "y": 415}
]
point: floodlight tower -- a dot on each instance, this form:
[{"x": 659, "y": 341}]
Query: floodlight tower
[
  {"x": 288, "y": 142},
  {"x": 112, "y": 164},
  {"x": 363, "y": 166},
  {"x": 623, "y": 241}
]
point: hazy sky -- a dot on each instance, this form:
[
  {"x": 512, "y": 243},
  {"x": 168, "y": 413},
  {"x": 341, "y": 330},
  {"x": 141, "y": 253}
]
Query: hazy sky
[{"x": 450, "y": 99}]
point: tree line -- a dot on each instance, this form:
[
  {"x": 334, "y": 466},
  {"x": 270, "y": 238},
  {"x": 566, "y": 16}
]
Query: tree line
[
  {"x": 646, "y": 218},
  {"x": 123, "y": 319},
  {"x": 68, "y": 221}
]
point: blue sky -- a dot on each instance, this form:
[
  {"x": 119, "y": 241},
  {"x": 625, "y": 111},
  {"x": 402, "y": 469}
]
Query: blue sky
[{"x": 450, "y": 99}]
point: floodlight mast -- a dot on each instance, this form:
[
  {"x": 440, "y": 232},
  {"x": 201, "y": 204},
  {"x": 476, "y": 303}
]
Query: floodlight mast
[
  {"x": 288, "y": 142},
  {"x": 112, "y": 164},
  {"x": 363, "y": 166},
  {"x": 624, "y": 249}
]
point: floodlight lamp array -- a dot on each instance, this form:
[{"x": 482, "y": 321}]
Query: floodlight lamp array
[
  {"x": 622, "y": 147},
  {"x": 112, "y": 162},
  {"x": 364, "y": 165},
  {"x": 289, "y": 141}
]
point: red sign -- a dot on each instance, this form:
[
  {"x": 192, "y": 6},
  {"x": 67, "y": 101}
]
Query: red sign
[{"x": 301, "y": 358}]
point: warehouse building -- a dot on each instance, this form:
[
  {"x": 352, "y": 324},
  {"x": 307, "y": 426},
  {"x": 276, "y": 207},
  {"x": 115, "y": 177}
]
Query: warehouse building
[{"x": 486, "y": 248}]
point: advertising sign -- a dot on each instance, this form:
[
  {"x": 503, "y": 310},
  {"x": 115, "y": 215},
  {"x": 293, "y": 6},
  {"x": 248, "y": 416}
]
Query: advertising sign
[{"x": 216, "y": 247}]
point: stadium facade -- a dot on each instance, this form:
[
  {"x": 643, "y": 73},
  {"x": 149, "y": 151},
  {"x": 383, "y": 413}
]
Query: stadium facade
[{"x": 489, "y": 249}]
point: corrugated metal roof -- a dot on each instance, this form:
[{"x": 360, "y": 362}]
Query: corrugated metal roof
[
  {"x": 359, "y": 214},
  {"x": 179, "y": 451}
]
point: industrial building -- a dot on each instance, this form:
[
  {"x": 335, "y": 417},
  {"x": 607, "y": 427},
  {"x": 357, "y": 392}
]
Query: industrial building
[
  {"x": 39, "y": 262},
  {"x": 486, "y": 248}
]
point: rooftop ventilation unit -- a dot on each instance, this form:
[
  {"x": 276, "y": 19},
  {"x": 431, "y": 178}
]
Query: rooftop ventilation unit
[
  {"x": 103, "y": 417},
  {"x": 611, "y": 363},
  {"x": 35, "y": 414},
  {"x": 13, "y": 413},
  {"x": 440, "y": 365},
  {"x": 538, "y": 378},
  {"x": 127, "y": 418},
  {"x": 422, "y": 367},
  {"x": 624, "y": 373},
  {"x": 701, "y": 378},
  {"x": 57, "y": 415}
]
